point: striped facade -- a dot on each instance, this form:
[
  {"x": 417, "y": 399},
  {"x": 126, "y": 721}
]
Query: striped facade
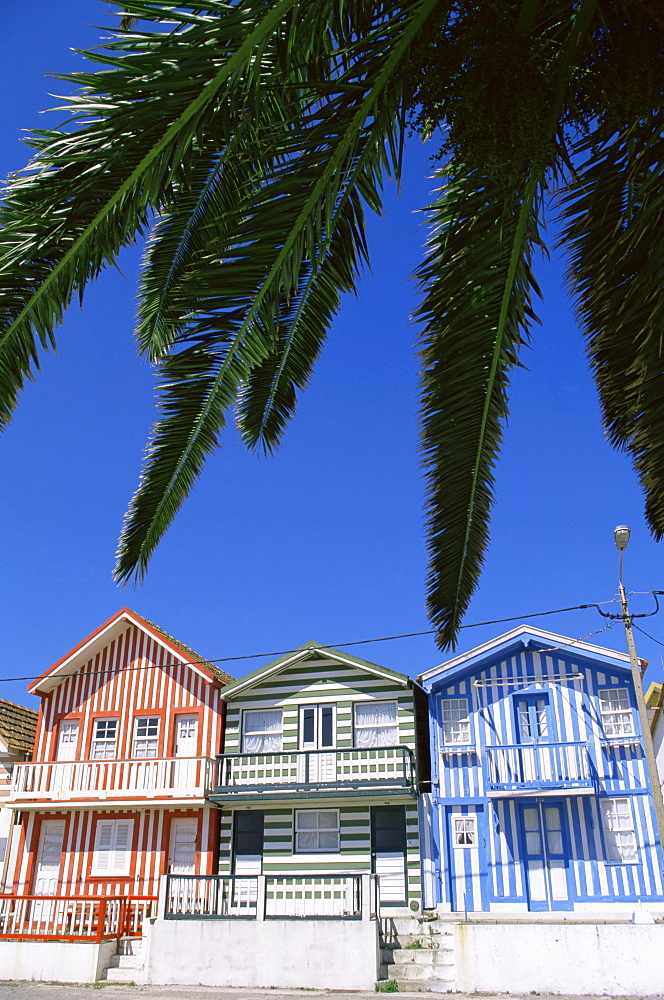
[
  {"x": 541, "y": 798},
  {"x": 343, "y": 781},
  {"x": 115, "y": 793}
]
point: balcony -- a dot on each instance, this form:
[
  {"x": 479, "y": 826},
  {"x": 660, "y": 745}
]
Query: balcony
[
  {"x": 113, "y": 780},
  {"x": 326, "y": 772},
  {"x": 538, "y": 767}
]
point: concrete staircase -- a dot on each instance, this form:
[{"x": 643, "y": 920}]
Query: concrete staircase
[
  {"x": 418, "y": 954},
  {"x": 123, "y": 965}
]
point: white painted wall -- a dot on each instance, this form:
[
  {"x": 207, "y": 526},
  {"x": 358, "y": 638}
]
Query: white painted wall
[
  {"x": 54, "y": 961},
  {"x": 617, "y": 959},
  {"x": 305, "y": 954}
]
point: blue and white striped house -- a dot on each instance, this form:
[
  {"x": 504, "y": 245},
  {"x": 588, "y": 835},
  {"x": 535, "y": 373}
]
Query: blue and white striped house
[{"x": 540, "y": 798}]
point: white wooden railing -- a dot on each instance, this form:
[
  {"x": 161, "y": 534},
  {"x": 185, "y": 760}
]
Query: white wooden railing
[
  {"x": 538, "y": 765},
  {"x": 266, "y": 897},
  {"x": 379, "y": 765},
  {"x": 188, "y": 777}
]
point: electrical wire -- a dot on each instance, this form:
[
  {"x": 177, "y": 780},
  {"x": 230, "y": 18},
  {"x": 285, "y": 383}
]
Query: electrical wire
[
  {"x": 338, "y": 645},
  {"x": 647, "y": 634}
]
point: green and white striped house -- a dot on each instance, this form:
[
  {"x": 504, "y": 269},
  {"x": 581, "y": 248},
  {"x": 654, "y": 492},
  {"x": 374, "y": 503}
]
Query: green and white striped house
[{"x": 324, "y": 755}]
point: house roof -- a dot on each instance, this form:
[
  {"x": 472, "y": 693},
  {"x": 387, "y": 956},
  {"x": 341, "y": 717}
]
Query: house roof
[
  {"x": 17, "y": 726},
  {"x": 522, "y": 637},
  {"x": 310, "y": 651},
  {"x": 653, "y": 694},
  {"x": 123, "y": 620}
]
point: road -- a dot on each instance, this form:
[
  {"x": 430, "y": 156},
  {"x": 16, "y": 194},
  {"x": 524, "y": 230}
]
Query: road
[{"x": 116, "y": 991}]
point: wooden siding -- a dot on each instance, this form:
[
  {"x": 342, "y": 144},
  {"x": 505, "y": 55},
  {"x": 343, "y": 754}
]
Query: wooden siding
[
  {"x": 314, "y": 683},
  {"x": 150, "y": 846},
  {"x": 494, "y": 872},
  {"x": 353, "y": 857},
  {"x": 133, "y": 675}
]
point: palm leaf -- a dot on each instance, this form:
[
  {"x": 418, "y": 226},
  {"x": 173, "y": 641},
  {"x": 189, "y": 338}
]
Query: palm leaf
[
  {"x": 250, "y": 276},
  {"x": 615, "y": 234},
  {"x": 476, "y": 315}
]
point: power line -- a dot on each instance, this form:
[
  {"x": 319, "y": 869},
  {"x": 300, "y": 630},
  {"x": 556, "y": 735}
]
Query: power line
[{"x": 337, "y": 645}]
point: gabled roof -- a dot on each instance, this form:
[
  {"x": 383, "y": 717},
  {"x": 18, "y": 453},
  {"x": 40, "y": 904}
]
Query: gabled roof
[
  {"x": 309, "y": 651},
  {"x": 125, "y": 619},
  {"x": 522, "y": 637},
  {"x": 17, "y": 726}
]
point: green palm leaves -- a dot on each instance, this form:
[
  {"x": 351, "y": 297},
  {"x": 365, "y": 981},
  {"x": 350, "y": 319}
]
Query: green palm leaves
[{"x": 249, "y": 138}]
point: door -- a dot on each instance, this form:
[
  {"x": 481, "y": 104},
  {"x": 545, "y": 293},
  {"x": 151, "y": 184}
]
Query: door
[
  {"x": 534, "y": 732},
  {"x": 182, "y": 853},
  {"x": 317, "y": 725},
  {"x": 545, "y": 858},
  {"x": 186, "y": 747},
  {"x": 467, "y": 864},
  {"x": 48, "y": 857},
  {"x": 248, "y": 836},
  {"x": 388, "y": 851},
  {"x": 63, "y": 775}
]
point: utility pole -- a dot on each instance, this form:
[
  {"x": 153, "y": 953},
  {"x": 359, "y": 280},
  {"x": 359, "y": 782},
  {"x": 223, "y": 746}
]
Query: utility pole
[{"x": 621, "y": 537}]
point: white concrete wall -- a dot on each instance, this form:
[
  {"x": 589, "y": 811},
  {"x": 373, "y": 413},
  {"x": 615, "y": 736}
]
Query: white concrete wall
[
  {"x": 617, "y": 959},
  {"x": 54, "y": 961},
  {"x": 309, "y": 954}
]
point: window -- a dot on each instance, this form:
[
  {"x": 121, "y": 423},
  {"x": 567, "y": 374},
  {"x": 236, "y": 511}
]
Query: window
[
  {"x": 262, "y": 731},
  {"x": 146, "y": 736},
  {"x": 104, "y": 740},
  {"x": 618, "y": 830},
  {"x": 464, "y": 830},
  {"x": 531, "y": 716},
  {"x": 67, "y": 740},
  {"x": 616, "y": 712},
  {"x": 112, "y": 850},
  {"x": 376, "y": 724},
  {"x": 316, "y": 727},
  {"x": 316, "y": 831},
  {"x": 456, "y": 723}
]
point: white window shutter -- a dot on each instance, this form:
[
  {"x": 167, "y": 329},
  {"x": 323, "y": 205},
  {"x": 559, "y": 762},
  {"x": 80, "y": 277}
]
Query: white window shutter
[
  {"x": 101, "y": 858},
  {"x": 122, "y": 852}
]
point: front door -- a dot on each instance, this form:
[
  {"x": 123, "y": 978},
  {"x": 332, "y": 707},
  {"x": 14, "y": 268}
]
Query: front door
[
  {"x": 545, "y": 859},
  {"x": 248, "y": 835},
  {"x": 317, "y": 725},
  {"x": 48, "y": 857},
  {"x": 182, "y": 853},
  {"x": 388, "y": 851}
]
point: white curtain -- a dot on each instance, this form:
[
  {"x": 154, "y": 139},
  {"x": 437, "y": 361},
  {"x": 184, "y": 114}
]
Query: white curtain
[
  {"x": 376, "y": 724},
  {"x": 262, "y": 732}
]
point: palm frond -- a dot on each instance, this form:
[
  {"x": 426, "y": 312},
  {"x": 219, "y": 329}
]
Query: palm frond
[
  {"x": 476, "y": 315},
  {"x": 258, "y": 261},
  {"x": 614, "y": 211}
]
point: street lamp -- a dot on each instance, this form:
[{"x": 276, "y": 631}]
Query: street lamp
[{"x": 621, "y": 538}]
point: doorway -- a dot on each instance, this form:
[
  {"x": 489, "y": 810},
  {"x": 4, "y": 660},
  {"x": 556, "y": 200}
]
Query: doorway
[
  {"x": 544, "y": 841},
  {"x": 388, "y": 851}
]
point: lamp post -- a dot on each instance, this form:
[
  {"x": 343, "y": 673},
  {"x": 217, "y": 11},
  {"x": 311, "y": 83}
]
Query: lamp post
[{"x": 621, "y": 538}]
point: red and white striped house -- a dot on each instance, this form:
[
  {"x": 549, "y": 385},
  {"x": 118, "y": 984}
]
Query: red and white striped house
[{"x": 115, "y": 796}]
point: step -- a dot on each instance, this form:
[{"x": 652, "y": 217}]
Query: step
[
  {"x": 417, "y": 956},
  {"x": 118, "y": 975},
  {"x": 123, "y": 962},
  {"x": 419, "y": 986},
  {"x": 398, "y": 970}
]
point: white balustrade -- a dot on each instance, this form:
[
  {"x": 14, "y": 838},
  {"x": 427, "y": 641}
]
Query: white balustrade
[
  {"x": 98, "y": 779},
  {"x": 538, "y": 765},
  {"x": 320, "y": 767}
]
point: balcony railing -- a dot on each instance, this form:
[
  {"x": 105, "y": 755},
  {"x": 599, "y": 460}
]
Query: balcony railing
[
  {"x": 538, "y": 765},
  {"x": 73, "y": 918},
  {"x": 183, "y": 777},
  {"x": 378, "y": 766},
  {"x": 266, "y": 897}
]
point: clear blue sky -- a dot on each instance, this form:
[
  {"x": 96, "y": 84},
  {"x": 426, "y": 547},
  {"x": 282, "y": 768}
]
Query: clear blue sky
[{"x": 323, "y": 541}]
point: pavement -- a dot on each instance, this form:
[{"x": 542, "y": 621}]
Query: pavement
[{"x": 122, "y": 991}]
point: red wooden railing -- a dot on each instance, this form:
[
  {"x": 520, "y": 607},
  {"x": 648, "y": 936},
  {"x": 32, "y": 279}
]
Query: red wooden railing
[{"x": 73, "y": 918}]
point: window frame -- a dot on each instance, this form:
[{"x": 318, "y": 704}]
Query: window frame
[
  {"x": 610, "y": 714},
  {"x": 260, "y": 732},
  {"x": 317, "y": 709},
  {"x": 62, "y": 724},
  {"x": 469, "y": 821},
  {"x": 316, "y": 850},
  {"x": 105, "y": 719},
  {"x": 394, "y": 725},
  {"x": 445, "y": 743},
  {"x": 607, "y": 833},
  {"x": 146, "y": 738}
]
